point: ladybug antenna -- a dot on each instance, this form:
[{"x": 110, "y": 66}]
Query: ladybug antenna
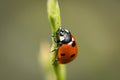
[{"x": 60, "y": 27}]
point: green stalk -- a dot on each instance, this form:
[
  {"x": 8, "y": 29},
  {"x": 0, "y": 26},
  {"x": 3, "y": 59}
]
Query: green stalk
[{"x": 55, "y": 22}]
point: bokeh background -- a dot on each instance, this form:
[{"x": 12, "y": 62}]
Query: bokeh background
[{"x": 95, "y": 23}]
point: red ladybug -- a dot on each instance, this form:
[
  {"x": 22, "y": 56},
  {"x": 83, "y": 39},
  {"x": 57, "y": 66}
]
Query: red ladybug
[{"x": 67, "y": 46}]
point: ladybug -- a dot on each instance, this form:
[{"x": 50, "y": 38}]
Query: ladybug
[{"x": 67, "y": 46}]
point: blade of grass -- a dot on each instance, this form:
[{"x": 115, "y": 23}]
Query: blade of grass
[{"x": 54, "y": 18}]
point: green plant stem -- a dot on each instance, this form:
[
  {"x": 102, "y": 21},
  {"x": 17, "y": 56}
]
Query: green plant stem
[
  {"x": 54, "y": 18},
  {"x": 54, "y": 15}
]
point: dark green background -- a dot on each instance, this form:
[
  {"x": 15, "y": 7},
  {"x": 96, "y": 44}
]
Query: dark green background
[{"x": 95, "y": 23}]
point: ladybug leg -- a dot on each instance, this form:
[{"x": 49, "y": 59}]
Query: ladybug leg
[
  {"x": 56, "y": 59},
  {"x": 55, "y": 39},
  {"x": 54, "y": 49}
]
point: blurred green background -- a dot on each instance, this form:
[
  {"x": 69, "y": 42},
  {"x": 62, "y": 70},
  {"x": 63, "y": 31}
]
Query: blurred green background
[{"x": 95, "y": 23}]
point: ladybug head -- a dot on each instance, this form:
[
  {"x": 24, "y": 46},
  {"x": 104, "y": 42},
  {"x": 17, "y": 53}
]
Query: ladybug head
[{"x": 64, "y": 35}]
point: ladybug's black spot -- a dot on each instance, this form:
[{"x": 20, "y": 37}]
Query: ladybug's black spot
[
  {"x": 72, "y": 55},
  {"x": 73, "y": 44},
  {"x": 62, "y": 54}
]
